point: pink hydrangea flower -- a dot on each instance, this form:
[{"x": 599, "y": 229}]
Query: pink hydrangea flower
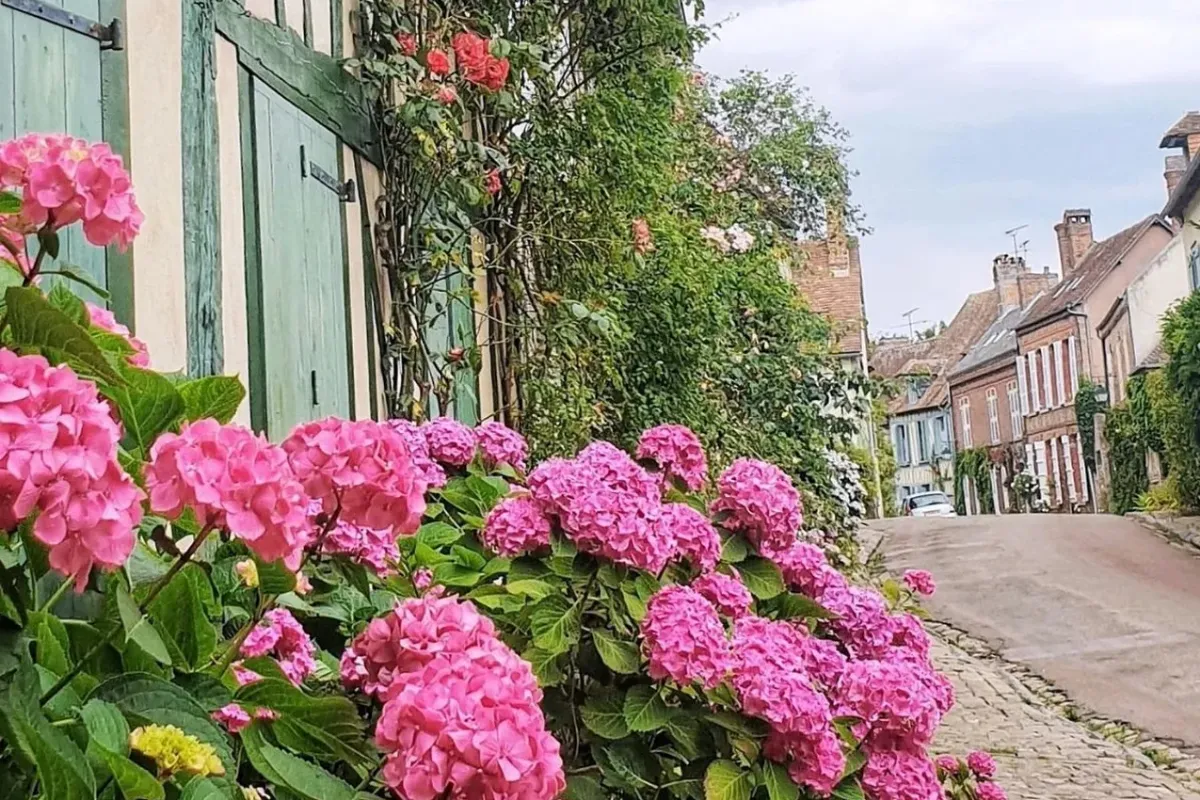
[
  {"x": 281, "y": 635},
  {"x": 461, "y": 715},
  {"x": 460, "y": 727},
  {"x": 891, "y": 700},
  {"x": 266, "y": 714},
  {"x": 948, "y": 764},
  {"x": 234, "y": 480},
  {"x": 372, "y": 548},
  {"x": 982, "y": 764},
  {"x": 553, "y": 483},
  {"x": 58, "y": 456},
  {"x": 515, "y": 526},
  {"x": 863, "y": 623},
  {"x": 103, "y": 318},
  {"x": 500, "y": 444},
  {"x": 759, "y": 500},
  {"x": 678, "y": 453},
  {"x": 362, "y": 471},
  {"x": 728, "y": 595},
  {"x": 909, "y": 633},
  {"x": 684, "y": 638},
  {"x": 418, "y": 451},
  {"x": 13, "y": 249},
  {"x": 989, "y": 790},
  {"x": 64, "y": 180},
  {"x": 773, "y": 682},
  {"x": 417, "y": 630},
  {"x": 905, "y": 774},
  {"x": 233, "y": 717},
  {"x": 450, "y": 442},
  {"x": 805, "y": 569},
  {"x": 695, "y": 537},
  {"x": 920, "y": 582},
  {"x": 242, "y": 675}
]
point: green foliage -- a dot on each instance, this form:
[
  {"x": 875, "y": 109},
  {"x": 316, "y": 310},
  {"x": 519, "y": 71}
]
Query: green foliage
[
  {"x": 974, "y": 464},
  {"x": 1162, "y": 498},
  {"x": 1126, "y": 458},
  {"x": 1086, "y": 408}
]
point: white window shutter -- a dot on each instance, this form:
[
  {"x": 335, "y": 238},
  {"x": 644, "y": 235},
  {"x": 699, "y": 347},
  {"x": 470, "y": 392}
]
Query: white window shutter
[
  {"x": 1058, "y": 373},
  {"x": 1022, "y": 386},
  {"x": 1073, "y": 357},
  {"x": 1034, "y": 394},
  {"x": 1057, "y": 472},
  {"x": 1072, "y": 491},
  {"x": 1047, "y": 381},
  {"x": 1083, "y": 484}
]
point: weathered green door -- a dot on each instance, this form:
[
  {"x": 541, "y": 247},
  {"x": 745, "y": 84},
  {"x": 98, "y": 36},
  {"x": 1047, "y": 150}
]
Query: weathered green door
[
  {"x": 305, "y": 365},
  {"x": 50, "y": 83}
]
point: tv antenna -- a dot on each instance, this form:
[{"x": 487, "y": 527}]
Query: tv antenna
[
  {"x": 909, "y": 315},
  {"x": 1013, "y": 233}
]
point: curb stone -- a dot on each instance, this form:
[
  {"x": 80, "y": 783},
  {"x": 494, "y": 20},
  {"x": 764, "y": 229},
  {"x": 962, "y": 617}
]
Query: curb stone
[
  {"x": 1171, "y": 756},
  {"x": 1175, "y": 533}
]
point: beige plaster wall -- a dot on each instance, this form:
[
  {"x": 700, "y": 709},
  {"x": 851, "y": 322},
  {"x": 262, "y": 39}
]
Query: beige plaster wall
[{"x": 154, "y": 47}]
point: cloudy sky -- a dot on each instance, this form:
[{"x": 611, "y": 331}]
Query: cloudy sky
[{"x": 970, "y": 117}]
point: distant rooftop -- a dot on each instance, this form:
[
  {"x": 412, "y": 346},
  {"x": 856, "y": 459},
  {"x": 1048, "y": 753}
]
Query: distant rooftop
[{"x": 1176, "y": 135}]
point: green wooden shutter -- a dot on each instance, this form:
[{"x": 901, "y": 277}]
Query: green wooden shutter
[
  {"x": 305, "y": 360},
  {"x": 50, "y": 83}
]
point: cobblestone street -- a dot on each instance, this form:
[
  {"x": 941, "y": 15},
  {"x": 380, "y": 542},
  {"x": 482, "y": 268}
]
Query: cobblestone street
[{"x": 1041, "y": 754}]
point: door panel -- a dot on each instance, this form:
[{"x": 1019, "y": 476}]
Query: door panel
[
  {"x": 50, "y": 83},
  {"x": 303, "y": 315}
]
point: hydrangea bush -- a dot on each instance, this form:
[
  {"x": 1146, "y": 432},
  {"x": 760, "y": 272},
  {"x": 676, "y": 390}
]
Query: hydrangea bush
[{"x": 367, "y": 609}]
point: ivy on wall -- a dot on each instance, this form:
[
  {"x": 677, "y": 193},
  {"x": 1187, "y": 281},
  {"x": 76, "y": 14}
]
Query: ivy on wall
[
  {"x": 1127, "y": 459},
  {"x": 1086, "y": 408},
  {"x": 975, "y": 464}
]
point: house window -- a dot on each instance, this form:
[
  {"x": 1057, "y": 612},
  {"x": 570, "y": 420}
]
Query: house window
[
  {"x": 964, "y": 420},
  {"x": 900, "y": 437},
  {"x": 941, "y": 437},
  {"x": 1014, "y": 410},
  {"x": 993, "y": 409},
  {"x": 923, "y": 442}
]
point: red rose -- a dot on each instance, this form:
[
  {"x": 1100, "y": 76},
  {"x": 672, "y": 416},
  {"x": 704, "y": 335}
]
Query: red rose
[
  {"x": 438, "y": 62},
  {"x": 496, "y": 74},
  {"x": 491, "y": 182},
  {"x": 471, "y": 51},
  {"x": 408, "y": 43}
]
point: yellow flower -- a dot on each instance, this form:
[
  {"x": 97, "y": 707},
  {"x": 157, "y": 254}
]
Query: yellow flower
[
  {"x": 173, "y": 751},
  {"x": 248, "y": 571}
]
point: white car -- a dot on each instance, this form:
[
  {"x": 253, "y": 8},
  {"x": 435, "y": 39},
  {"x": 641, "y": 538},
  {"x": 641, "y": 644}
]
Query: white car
[{"x": 928, "y": 504}]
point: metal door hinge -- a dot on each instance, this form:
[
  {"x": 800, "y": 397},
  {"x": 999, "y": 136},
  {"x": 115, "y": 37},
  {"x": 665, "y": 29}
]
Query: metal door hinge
[
  {"x": 110, "y": 36},
  {"x": 310, "y": 169},
  {"x": 313, "y": 379}
]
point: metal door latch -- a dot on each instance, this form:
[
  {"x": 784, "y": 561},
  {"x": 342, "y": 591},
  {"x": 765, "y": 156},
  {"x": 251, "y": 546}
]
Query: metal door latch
[
  {"x": 313, "y": 378},
  {"x": 344, "y": 191},
  {"x": 110, "y": 36}
]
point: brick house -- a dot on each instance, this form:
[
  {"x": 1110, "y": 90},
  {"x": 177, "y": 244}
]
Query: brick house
[
  {"x": 828, "y": 273},
  {"x": 984, "y": 391},
  {"x": 919, "y": 417},
  {"x": 1058, "y": 344},
  {"x": 1184, "y": 202}
]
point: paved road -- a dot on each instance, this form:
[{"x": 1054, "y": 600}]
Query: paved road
[{"x": 1097, "y": 604}]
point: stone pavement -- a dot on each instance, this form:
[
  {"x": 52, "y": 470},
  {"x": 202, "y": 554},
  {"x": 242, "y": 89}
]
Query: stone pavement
[{"x": 1040, "y": 752}]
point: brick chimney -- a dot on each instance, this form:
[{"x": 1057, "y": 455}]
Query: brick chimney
[
  {"x": 1074, "y": 238},
  {"x": 1006, "y": 274},
  {"x": 835, "y": 236},
  {"x": 1184, "y": 135},
  {"x": 1175, "y": 168}
]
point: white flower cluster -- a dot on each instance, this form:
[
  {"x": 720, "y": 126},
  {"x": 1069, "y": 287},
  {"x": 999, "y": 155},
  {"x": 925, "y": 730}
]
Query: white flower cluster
[
  {"x": 734, "y": 239},
  {"x": 848, "y": 489}
]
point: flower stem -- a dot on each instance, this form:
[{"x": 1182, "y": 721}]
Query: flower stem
[
  {"x": 235, "y": 643},
  {"x": 62, "y": 682},
  {"x": 58, "y": 593}
]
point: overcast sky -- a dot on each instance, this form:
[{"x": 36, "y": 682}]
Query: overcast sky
[{"x": 970, "y": 117}]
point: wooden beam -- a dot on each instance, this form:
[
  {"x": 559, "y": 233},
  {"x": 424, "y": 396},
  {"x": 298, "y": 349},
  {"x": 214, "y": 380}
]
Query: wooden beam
[
  {"x": 201, "y": 191},
  {"x": 114, "y": 91},
  {"x": 315, "y": 83}
]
